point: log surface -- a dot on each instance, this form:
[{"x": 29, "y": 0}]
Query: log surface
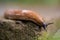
[{"x": 10, "y": 30}]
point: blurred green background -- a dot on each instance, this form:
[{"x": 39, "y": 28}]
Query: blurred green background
[{"x": 33, "y": 2}]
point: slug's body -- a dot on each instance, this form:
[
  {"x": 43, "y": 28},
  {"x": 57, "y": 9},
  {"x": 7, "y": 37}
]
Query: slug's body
[{"x": 25, "y": 15}]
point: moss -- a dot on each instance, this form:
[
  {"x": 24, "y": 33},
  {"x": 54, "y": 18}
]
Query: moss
[{"x": 10, "y": 30}]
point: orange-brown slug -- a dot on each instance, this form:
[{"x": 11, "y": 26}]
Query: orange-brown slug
[{"x": 25, "y": 15}]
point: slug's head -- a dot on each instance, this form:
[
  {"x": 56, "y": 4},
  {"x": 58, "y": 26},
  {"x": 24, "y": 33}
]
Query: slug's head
[{"x": 45, "y": 25}]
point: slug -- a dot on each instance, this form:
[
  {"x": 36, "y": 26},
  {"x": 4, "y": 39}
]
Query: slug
[{"x": 25, "y": 15}]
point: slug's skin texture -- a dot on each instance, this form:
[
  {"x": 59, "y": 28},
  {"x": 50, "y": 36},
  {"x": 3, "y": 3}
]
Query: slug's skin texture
[{"x": 24, "y": 15}]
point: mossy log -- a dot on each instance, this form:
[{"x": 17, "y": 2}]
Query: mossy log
[{"x": 10, "y": 30}]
